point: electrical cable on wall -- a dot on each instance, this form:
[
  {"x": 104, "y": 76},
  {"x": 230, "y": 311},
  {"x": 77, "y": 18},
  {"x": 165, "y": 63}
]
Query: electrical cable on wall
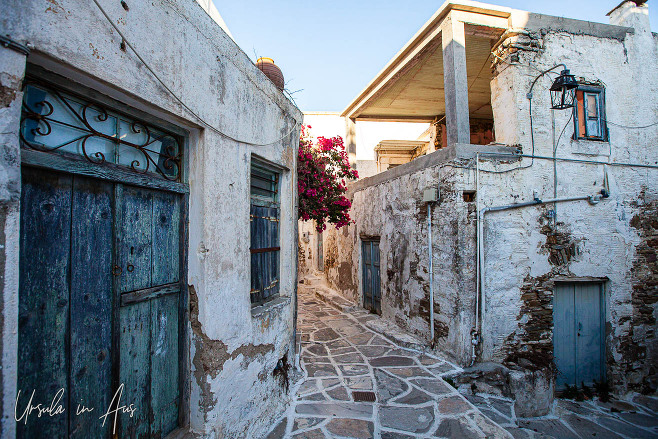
[
  {"x": 199, "y": 118},
  {"x": 629, "y": 127},
  {"x": 532, "y": 136}
]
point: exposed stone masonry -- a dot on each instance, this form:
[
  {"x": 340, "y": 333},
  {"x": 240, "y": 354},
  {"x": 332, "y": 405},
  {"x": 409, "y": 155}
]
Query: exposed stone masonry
[{"x": 640, "y": 346}]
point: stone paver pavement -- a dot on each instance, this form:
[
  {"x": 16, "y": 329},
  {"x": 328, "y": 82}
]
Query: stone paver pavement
[
  {"x": 637, "y": 418},
  {"x": 341, "y": 355}
]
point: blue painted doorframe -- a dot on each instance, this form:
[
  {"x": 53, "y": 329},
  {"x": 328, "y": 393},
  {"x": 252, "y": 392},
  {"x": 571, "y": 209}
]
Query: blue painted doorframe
[
  {"x": 371, "y": 276},
  {"x": 578, "y": 333}
]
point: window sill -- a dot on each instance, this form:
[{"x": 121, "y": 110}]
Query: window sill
[
  {"x": 591, "y": 147},
  {"x": 268, "y": 307}
]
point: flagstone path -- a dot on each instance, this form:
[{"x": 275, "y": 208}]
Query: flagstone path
[
  {"x": 616, "y": 419},
  {"x": 341, "y": 356}
]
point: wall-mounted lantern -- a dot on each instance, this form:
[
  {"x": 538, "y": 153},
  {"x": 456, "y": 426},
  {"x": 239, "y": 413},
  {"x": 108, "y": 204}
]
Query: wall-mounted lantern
[{"x": 563, "y": 91}]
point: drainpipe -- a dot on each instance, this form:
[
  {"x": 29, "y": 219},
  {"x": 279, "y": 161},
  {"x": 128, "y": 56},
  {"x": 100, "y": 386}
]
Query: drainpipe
[
  {"x": 592, "y": 199},
  {"x": 431, "y": 268},
  {"x": 430, "y": 196},
  {"x": 475, "y": 333}
]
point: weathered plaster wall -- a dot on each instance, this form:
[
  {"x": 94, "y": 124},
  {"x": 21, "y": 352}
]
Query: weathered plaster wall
[
  {"x": 308, "y": 248},
  {"x": 613, "y": 240},
  {"x": 394, "y": 212},
  {"x": 526, "y": 252},
  {"x": 12, "y": 68},
  {"x": 234, "y": 349}
]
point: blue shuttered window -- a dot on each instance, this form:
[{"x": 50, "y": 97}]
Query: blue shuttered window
[
  {"x": 264, "y": 225},
  {"x": 589, "y": 113}
]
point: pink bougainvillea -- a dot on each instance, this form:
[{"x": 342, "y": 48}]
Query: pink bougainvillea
[{"x": 323, "y": 170}]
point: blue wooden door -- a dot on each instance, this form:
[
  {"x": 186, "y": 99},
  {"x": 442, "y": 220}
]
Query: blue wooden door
[
  {"x": 371, "y": 276},
  {"x": 99, "y": 305},
  {"x": 148, "y": 257},
  {"x": 64, "y": 331},
  {"x": 578, "y": 333}
]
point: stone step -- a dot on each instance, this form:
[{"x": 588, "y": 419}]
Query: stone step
[
  {"x": 397, "y": 334},
  {"x": 331, "y": 298}
]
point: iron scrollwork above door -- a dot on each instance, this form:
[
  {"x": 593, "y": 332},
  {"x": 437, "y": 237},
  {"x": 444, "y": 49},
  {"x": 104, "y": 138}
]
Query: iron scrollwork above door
[{"x": 52, "y": 121}]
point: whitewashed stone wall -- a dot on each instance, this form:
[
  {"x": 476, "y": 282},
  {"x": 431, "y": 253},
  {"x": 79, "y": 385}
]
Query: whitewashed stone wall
[
  {"x": 614, "y": 240},
  {"x": 610, "y": 240}
]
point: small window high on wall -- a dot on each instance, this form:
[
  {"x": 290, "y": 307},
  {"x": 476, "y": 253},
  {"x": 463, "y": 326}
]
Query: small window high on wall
[
  {"x": 589, "y": 113},
  {"x": 264, "y": 224}
]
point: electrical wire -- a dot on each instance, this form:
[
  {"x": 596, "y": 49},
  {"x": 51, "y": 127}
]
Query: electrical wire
[
  {"x": 561, "y": 133},
  {"x": 557, "y": 143},
  {"x": 199, "y": 118},
  {"x": 532, "y": 130},
  {"x": 629, "y": 127}
]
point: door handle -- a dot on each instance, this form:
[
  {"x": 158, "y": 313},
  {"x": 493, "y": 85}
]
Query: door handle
[
  {"x": 116, "y": 270},
  {"x": 130, "y": 268}
]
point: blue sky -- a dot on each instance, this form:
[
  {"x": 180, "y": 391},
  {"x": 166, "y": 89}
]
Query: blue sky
[{"x": 331, "y": 49}]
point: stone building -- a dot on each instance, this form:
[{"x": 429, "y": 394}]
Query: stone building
[
  {"x": 392, "y": 153},
  {"x": 536, "y": 250},
  {"x": 149, "y": 223}
]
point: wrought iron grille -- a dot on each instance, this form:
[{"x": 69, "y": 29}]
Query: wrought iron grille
[{"x": 54, "y": 121}]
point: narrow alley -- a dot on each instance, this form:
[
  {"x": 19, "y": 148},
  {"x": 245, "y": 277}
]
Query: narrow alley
[
  {"x": 360, "y": 384},
  {"x": 328, "y": 220},
  {"x": 344, "y": 362}
]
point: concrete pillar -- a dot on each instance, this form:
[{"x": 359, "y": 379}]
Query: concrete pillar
[
  {"x": 350, "y": 140},
  {"x": 12, "y": 72},
  {"x": 455, "y": 81}
]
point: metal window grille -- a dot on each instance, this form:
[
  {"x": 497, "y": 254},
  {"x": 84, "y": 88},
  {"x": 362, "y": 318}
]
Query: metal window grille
[{"x": 54, "y": 121}]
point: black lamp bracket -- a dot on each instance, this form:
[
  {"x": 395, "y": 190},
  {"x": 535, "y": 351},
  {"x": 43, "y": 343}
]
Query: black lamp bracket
[{"x": 564, "y": 67}]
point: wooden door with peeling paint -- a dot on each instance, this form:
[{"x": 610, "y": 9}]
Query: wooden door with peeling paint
[
  {"x": 99, "y": 306},
  {"x": 147, "y": 256},
  {"x": 578, "y": 334},
  {"x": 371, "y": 276},
  {"x": 102, "y": 287}
]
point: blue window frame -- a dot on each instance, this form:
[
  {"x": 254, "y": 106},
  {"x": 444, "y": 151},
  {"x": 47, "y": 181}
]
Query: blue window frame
[
  {"x": 264, "y": 227},
  {"x": 589, "y": 113}
]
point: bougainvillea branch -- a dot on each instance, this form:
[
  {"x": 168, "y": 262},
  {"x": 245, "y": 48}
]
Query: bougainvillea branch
[{"x": 323, "y": 169}]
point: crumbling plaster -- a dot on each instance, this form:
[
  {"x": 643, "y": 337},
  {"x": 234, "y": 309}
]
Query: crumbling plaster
[
  {"x": 394, "y": 212},
  {"x": 525, "y": 251},
  {"x": 207, "y": 71},
  {"x": 12, "y": 67},
  {"x": 518, "y": 245}
]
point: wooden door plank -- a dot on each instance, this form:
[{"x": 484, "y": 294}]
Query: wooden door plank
[
  {"x": 43, "y": 298},
  {"x": 91, "y": 305},
  {"x": 164, "y": 365},
  {"x": 166, "y": 237},
  {"x": 367, "y": 286},
  {"x": 135, "y": 336},
  {"x": 134, "y": 237},
  {"x": 150, "y": 293},
  {"x": 376, "y": 281},
  {"x": 589, "y": 333},
  {"x": 564, "y": 341}
]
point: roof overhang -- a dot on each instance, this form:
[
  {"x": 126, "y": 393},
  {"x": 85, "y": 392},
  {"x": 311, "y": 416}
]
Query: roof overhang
[
  {"x": 400, "y": 145},
  {"x": 410, "y": 87}
]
